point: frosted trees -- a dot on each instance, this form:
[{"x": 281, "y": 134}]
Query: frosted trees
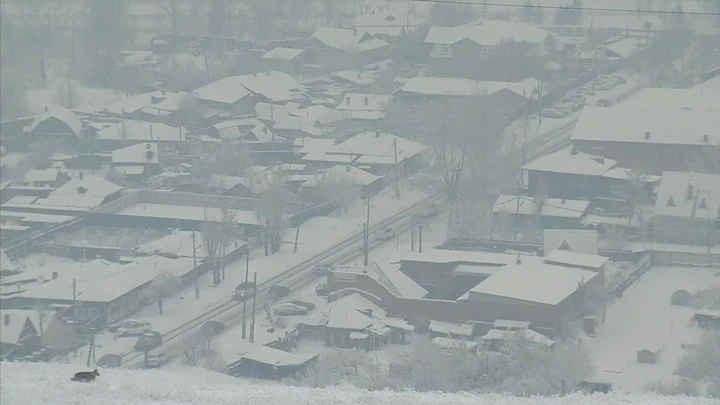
[
  {"x": 338, "y": 188},
  {"x": 270, "y": 212},
  {"x": 701, "y": 363},
  {"x": 216, "y": 234}
]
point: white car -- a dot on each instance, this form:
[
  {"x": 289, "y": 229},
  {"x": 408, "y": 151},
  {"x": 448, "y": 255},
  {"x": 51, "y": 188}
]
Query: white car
[
  {"x": 290, "y": 309},
  {"x": 565, "y": 108},
  {"x": 136, "y": 329},
  {"x": 155, "y": 360},
  {"x": 386, "y": 233},
  {"x": 585, "y": 91},
  {"x": 552, "y": 113}
]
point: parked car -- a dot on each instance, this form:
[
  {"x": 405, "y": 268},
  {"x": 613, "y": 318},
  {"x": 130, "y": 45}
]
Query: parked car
[
  {"x": 134, "y": 329},
  {"x": 244, "y": 291},
  {"x": 155, "y": 360},
  {"x": 277, "y": 292},
  {"x": 386, "y": 233},
  {"x": 322, "y": 290},
  {"x": 565, "y": 108},
  {"x": 212, "y": 328},
  {"x": 124, "y": 324},
  {"x": 306, "y": 304},
  {"x": 603, "y": 85},
  {"x": 603, "y": 103},
  {"x": 321, "y": 268},
  {"x": 585, "y": 90},
  {"x": 552, "y": 113},
  {"x": 290, "y": 309},
  {"x": 580, "y": 98},
  {"x": 576, "y": 104},
  {"x": 148, "y": 341}
]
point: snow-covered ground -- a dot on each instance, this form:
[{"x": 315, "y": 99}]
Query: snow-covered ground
[
  {"x": 642, "y": 319},
  {"x": 88, "y": 98},
  {"x": 43, "y": 383}
]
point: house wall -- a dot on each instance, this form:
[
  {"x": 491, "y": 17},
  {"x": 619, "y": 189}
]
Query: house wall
[
  {"x": 651, "y": 158},
  {"x": 571, "y": 186},
  {"x": 59, "y": 335},
  {"x": 694, "y": 231}
]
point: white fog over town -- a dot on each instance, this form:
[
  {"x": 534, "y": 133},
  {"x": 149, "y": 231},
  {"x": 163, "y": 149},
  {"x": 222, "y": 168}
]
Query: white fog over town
[{"x": 501, "y": 202}]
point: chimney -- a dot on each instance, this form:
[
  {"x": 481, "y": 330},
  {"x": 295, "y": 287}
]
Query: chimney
[
  {"x": 562, "y": 201},
  {"x": 81, "y": 175},
  {"x": 46, "y": 109},
  {"x": 574, "y": 151},
  {"x": 347, "y": 168},
  {"x": 706, "y": 138},
  {"x": 367, "y": 100},
  {"x": 647, "y": 135},
  {"x": 518, "y": 261},
  {"x": 6, "y": 320},
  {"x": 347, "y": 100},
  {"x": 147, "y": 146},
  {"x": 377, "y": 134},
  {"x": 54, "y": 275},
  {"x": 359, "y": 76}
]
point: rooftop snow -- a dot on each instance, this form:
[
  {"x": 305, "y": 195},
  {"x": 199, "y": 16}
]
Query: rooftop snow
[
  {"x": 565, "y": 161},
  {"x": 552, "y": 207},
  {"x": 448, "y": 86},
  {"x": 190, "y": 213},
  {"x": 102, "y": 281},
  {"x": 142, "y": 131},
  {"x": 574, "y": 259},
  {"x": 347, "y": 40},
  {"x": 313, "y": 145},
  {"x": 168, "y": 106},
  {"x": 40, "y": 383},
  {"x": 539, "y": 283},
  {"x": 619, "y": 124},
  {"x": 364, "y": 102},
  {"x": 140, "y": 153},
  {"x": 697, "y": 99},
  {"x": 32, "y": 217},
  {"x": 467, "y": 257},
  {"x": 88, "y": 192},
  {"x": 5, "y": 263},
  {"x": 273, "y": 85},
  {"x": 60, "y": 113},
  {"x": 389, "y": 275},
  {"x": 280, "y": 53},
  {"x": 377, "y": 148},
  {"x": 576, "y": 240},
  {"x": 137, "y": 102},
  {"x": 18, "y": 317},
  {"x": 176, "y": 244},
  {"x": 688, "y": 195},
  {"x": 487, "y": 33},
  {"x": 529, "y": 334},
  {"x": 342, "y": 174},
  {"x": 41, "y": 176}
]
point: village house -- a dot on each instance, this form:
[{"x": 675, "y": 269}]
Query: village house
[
  {"x": 55, "y": 123},
  {"x": 687, "y": 209},
  {"x": 132, "y": 107},
  {"x": 335, "y": 49},
  {"x": 521, "y": 211},
  {"x": 353, "y": 321},
  {"x": 258, "y": 361},
  {"x": 364, "y": 106},
  {"x": 136, "y": 161},
  {"x": 490, "y": 50},
  {"x": 286, "y": 60},
  {"x": 327, "y": 184},
  {"x": 19, "y": 338},
  {"x": 126, "y": 133},
  {"x": 648, "y": 140},
  {"x": 49, "y": 178}
]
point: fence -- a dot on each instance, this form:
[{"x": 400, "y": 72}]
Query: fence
[
  {"x": 685, "y": 259},
  {"x": 618, "y": 287}
]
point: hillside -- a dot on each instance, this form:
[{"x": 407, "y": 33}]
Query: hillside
[{"x": 42, "y": 383}]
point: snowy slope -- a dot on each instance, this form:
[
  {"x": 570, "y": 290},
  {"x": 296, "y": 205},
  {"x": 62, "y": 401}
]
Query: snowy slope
[{"x": 42, "y": 383}]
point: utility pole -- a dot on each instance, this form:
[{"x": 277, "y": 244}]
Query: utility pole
[
  {"x": 397, "y": 174},
  {"x": 412, "y": 233},
  {"x": 252, "y": 322},
  {"x": 197, "y": 288},
  {"x": 300, "y": 221},
  {"x": 91, "y": 350},
  {"x": 420, "y": 239},
  {"x": 365, "y": 244},
  {"x": 367, "y": 221},
  {"x": 247, "y": 274},
  {"x": 72, "y": 314}
]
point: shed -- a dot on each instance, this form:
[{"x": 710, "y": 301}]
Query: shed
[{"x": 650, "y": 355}]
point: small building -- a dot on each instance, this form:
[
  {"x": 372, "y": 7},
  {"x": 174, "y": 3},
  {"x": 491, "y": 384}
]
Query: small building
[
  {"x": 126, "y": 133},
  {"x": 136, "y": 161},
  {"x": 49, "y": 178},
  {"x": 550, "y": 213},
  {"x": 328, "y": 183},
  {"x": 570, "y": 240},
  {"x": 495, "y": 339},
  {"x": 355, "y": 321},
  {"x": 132, "y": 107},
  {"x": 287, "y": 60},
  {"x": 258, "y": 361},
  {"x": 687, "y": 209},
  {"x": 18, "y": 335},
  {"x": 56, "y": 122},
  {"x": 456, "y": 344},
  {"x": 708, "y": 317},
  {"x": 649, "y": 355},
  {"x": 336, "y": 48},
  {"x": 82, "y": 193},
  {"x": 367, "y": 107},
  {"x": 449, "y": 330}
]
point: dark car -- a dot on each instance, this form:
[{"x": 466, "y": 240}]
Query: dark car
[
  {"x": 212, "y": 328},
  {"x": 148, "y": 341},
  {"x": 306, "y": 304},
  {"x": 277, "y": 292},
  {"x": 244, "y": 291},
  {"x": 322, "y": 290}
]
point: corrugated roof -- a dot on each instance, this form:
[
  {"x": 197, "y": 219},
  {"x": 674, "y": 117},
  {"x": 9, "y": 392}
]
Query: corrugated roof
[
  {"x": 572, "y": 162},
  {"x": 551, "y": 207}
]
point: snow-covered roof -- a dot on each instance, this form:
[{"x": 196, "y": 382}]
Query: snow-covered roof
[
  {"x": 455, "y": 344},
  {"x": 342, "y": 175},
  {"x": 486, "y": 259},
  {"x": 61, "y": 114},
  {"x": 363, "y": 78},
  {"x": 137, "y": 102},
  {"x": 142, "y": 131},
  {"x": 33, "y": 217},
  {"x": 313, "y": 145},
  {"x": 697, "y": 99},
  {"x": 551, "y": 207},
  {"x": 140, "y": 153},
  {"x": 87, "y": 192},
  {"x": 347, "y": 40},
  {"x": 451, "y": 86},
  {"x": 688, "y": 195},
  {"x": 624, "y": 47},
  {"x": 100, "y": 280},
  {"x": 265, "y": 354},
  {"x": 280, "y": 53},
  {"x": 529, "y": 334},
  {"x": 364, "y": 102},
  {"x": 169, "y": 106},
  {"x": 575, "y": 259},
  {"x": 571, "y": 162},
  {"x": 652, "y": 126},
  {"x": 41, "y": 176},
  {"x": 177, "y": 244},
  {"x": 224, "y": 183},
  {"x": 351, "y": 313},
  {"x": 397, "y": 282},
  {"x": 272, "y": 112},
  {"x": 573, "y": 240},
  {"x": 273, "y": 85},
  {"x": 18, "y": 317},
  {"x": 488, "y": 33},
  {"x": 377, "y": 148},
  {"x": 5, "y": 263},
  {"x": 447, "y": 328},
  {"x": 539, "y": 283}
]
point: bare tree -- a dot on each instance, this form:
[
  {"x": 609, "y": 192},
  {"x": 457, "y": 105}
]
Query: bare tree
[
  {"x": 216, "y": 234},
  {"x": 337, "y": 187},
  {"x": 220, "y": 159},
  {"x": 67, "y": 94},
  {"x": 201, "y": 350},
  {"x": 173, "y": 9},
  {"x": 163, "y": 285},
  {"x": 270, "y": 212},
  {"x": 107, "y": 27}
]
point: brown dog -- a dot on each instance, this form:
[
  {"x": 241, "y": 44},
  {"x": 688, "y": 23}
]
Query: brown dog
[{"x": 85, "y": 376}]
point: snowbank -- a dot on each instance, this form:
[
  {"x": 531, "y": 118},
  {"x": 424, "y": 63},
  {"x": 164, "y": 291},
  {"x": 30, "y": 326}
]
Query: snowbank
[{"x": 43, "y": 383}]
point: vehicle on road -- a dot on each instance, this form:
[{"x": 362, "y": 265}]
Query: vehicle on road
[
  {"x": 386, "y": 233},
  {"x": 585, "y": 90},
  {"x": 290, "y": 310},
  {"x": 155, "y": 360},
  {"x": 125, "y": 324},
  {"x": 244, "y": 291},
  {"x": 322, "y": 290},
  {"x": 277, "y": 292},
  {"x": 306, "y": 304},
  {"x": 603, "y": 103},
  {"x": 212, "y": 328},
  {"x": 552, "y": 113},
  {"x": 148, "y": 341},
  {"x": 321, "y": 268},
  {"x": 134, "y": 329}
]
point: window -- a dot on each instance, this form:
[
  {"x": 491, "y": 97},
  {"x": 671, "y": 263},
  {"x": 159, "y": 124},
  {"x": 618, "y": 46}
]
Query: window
[
  {"x": 670, "y": 202},
  {"x": 445, "y": 50}
]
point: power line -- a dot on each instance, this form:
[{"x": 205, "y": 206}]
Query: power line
[{"x": 569, "y": 7}]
